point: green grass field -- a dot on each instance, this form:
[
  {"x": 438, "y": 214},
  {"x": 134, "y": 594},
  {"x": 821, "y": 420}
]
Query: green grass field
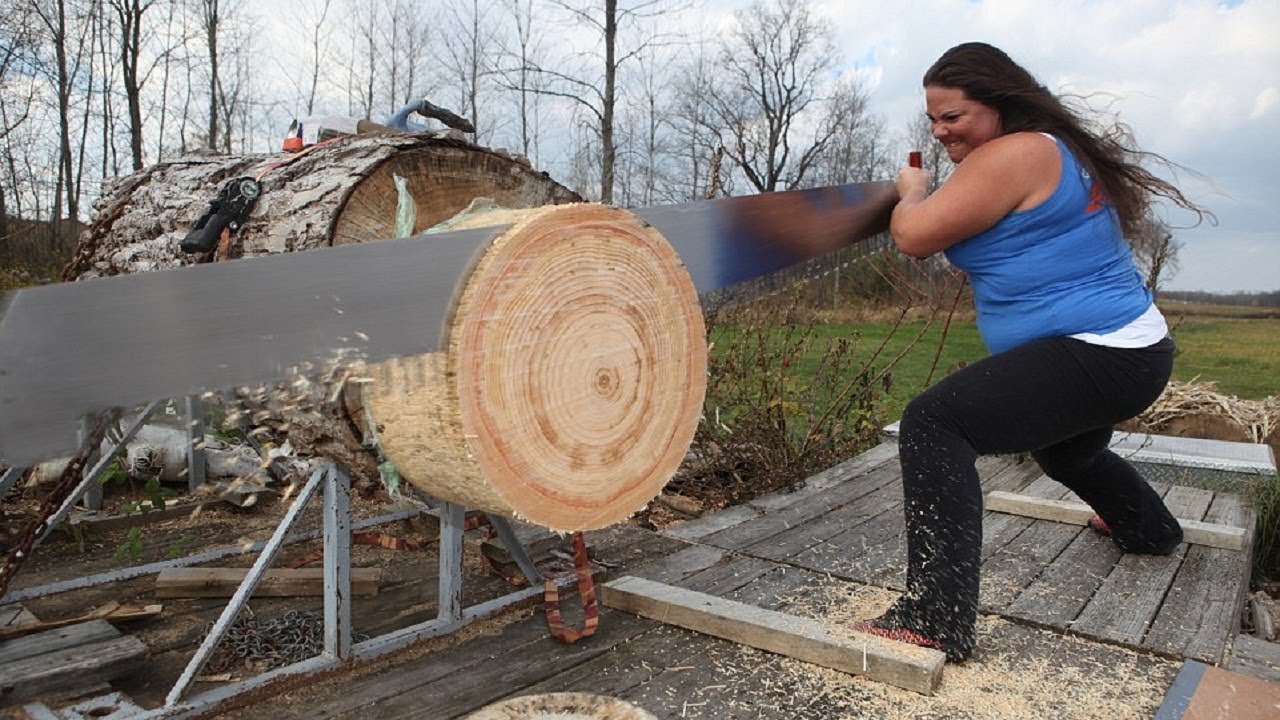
[{"x": 1242, "y": 356}]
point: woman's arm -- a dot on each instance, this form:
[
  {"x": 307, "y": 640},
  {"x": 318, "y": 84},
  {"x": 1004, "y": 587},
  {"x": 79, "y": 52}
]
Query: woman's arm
[{"x": 1010, "y": 173}]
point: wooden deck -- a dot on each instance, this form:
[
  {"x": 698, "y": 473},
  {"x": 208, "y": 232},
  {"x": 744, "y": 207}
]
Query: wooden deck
[
  {"x": 1070, "y": 627},
  {"x": 848, "y": 523}
]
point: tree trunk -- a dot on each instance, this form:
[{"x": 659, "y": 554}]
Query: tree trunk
[{"x": 336, "y": 193}]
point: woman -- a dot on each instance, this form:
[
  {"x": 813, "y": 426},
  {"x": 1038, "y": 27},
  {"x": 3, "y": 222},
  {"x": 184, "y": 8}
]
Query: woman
[{"x": 1036, "y": 213}]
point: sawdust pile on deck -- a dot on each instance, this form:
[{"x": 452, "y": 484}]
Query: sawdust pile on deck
[{"x": 1018, "y": 672}]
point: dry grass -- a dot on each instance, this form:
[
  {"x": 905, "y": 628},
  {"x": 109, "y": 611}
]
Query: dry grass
[{"x": 1259, "y": 419}]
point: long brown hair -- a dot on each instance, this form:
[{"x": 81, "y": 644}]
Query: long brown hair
[{"x": 989, "y": 76}]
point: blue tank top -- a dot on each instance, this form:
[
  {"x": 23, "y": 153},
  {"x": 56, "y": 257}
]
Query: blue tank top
[{"x": 1060, "y": 268}]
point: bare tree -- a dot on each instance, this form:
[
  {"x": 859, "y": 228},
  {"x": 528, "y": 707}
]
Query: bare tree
[
  {"x": 317, "y": 49},
  {"x": 593, "y": 86},
  {"x": 17, "y": 48},
  {"x": 645, "y": 131},
  {"x": 69, "y": 49},
  {"x": 211, "y": 22},
  {"x": 468, "y": 38},
  {"x": 104, "y": 33},
  {"x": 173, "y": 42},
  {"x": 130, "y": 14},
  {"x": 697, "y": 172},
  {"x": 523, "y": 53},
  {"x": 858, "y": 150},
  {"x": 772, "y": 68},
  {"x": 407, "y": 43},
  {"x": 361, "y": 64}
]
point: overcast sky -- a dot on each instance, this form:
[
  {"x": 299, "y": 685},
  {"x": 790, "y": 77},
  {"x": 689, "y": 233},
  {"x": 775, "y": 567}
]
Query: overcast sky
[{"x": 1197, "y": 80}]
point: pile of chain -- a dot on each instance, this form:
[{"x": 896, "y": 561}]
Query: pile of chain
[{"x": 260, "y": 645}]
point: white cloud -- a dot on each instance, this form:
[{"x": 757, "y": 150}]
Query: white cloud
[
  {"x": 1196, "y": 80},
  {"x": 1262, "y": 104}
]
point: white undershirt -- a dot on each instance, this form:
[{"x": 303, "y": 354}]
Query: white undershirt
[{"x": 1148, "y": 329}]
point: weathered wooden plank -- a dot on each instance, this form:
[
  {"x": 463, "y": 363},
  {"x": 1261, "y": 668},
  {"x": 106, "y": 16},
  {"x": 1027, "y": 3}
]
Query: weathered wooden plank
[
  {"x": 1007, "y": 573},
  {"x": 56, "y": 639},
  {"x": 665, "y": 668},
  {"x": 110, "y": 611},
  {"x": 725, "y": 577},
  {"x": 712, "y": 522},
  {"x": 1007, "y": 472},
  {"x": 778, "y": 588},
  {"x": 277, "y": 582},
  {"x": 1255, "y": 657},
  {"x": 16, "y": 616},
  {"x": 1129, "y": 599},
  {"x": 537, "y": 541},
  {"x": 1194, "y": 531},
  {"x": 683, "y": 563},
  {"x": 869, "y": 550},
  {"x": 905, "y": 666},
  {"x": 817, "y": 531},
  {"x": 861, "y": 464},
  {"x": 869, "y": 545},
  {"x": 815, "y": 485},
  {"x": 998, "y": 528},
  {"x": 1015, "y": 550},
  {"x": 1062, "y": 590},
  {"x": 84, "y": 664},
  {"x": 789, "y": 543},
  {"x": 464, "y": 690},
  {"x": 1202, "y": 609},
  {"x": 628, "y": 546},
  {"x": 804, "y": 510},
  {"x": 628, "y": 665},
  {"x": 525, "y": 637}
]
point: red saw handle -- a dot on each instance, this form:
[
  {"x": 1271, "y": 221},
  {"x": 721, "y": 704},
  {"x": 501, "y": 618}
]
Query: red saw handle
[{"x": 914, "y": 159}]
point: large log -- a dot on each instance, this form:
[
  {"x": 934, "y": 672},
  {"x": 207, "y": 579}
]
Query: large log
[
  {"x": 572, "y": 380},
  {"x": 336, "y": 193},
  {"x": 339, "y": 192}
]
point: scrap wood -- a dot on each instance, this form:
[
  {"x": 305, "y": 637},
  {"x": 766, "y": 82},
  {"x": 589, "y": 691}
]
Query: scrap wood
[
  {"x": 277, "y": 582},
  {"x": 113, "y": 611},
  {"x": 382, "y": 540},
  {"x": 906, "y": 666},
  {"x": 78, "y": 667}
]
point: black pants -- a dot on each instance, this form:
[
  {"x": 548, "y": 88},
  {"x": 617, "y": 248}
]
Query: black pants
[{"x": 1056, "y": 398}]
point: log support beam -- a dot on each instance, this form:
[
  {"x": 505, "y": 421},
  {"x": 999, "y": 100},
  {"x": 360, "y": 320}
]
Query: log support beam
[{"x": 1075, "y": 513}]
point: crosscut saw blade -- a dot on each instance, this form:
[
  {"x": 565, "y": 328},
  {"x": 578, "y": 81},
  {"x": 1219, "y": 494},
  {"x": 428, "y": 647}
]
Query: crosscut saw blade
[{"x": 74, "y": 348}]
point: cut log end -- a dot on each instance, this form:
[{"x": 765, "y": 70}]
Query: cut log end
[{"x": 574, "y": 377}]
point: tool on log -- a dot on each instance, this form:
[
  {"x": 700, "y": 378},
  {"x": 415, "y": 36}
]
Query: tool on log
[{"x": 228, "y": 211}]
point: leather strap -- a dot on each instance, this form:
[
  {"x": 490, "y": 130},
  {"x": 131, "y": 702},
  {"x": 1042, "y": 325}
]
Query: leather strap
[{"x": 586, "y": 590}]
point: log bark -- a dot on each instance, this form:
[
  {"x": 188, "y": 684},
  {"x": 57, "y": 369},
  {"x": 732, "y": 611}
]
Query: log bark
[
  {"x": 336, "y": 193},
  {"x": 339, "y": 192}
]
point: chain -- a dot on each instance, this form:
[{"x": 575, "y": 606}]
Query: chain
[{"x": 264, "y": 644}]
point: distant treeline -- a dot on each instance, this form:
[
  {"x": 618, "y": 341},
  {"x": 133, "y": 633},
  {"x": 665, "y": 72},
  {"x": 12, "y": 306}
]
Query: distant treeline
[
  {"x": 1246, "y": 299},
  {"x": 33, "y": 252}
]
